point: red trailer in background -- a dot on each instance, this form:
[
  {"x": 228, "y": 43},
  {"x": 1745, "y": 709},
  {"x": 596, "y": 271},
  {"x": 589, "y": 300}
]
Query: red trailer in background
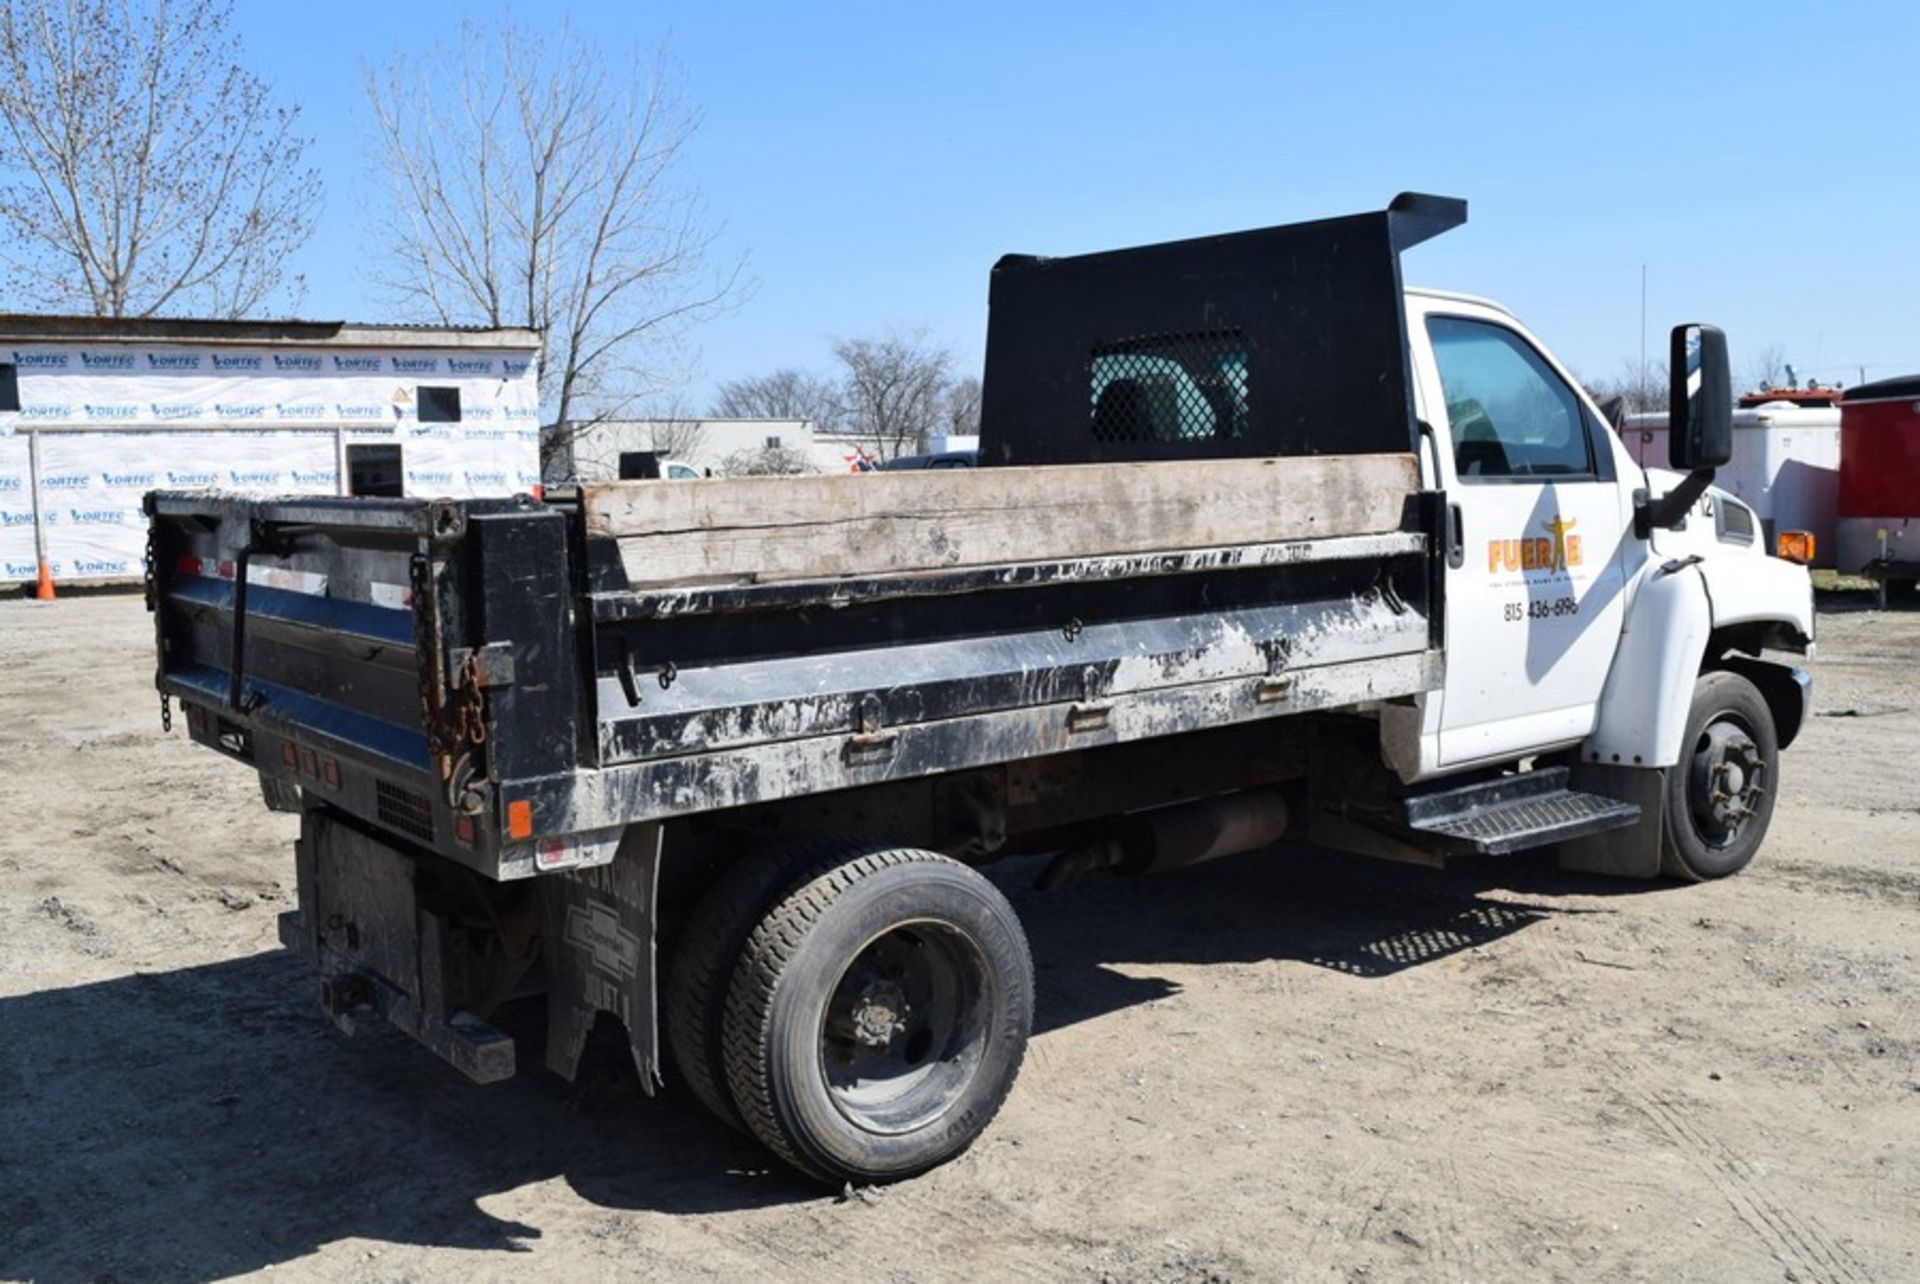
[{"x": 1879, "y": 502}]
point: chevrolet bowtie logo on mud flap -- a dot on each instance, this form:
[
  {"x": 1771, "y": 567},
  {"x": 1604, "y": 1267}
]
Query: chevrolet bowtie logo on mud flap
[{"x": 1560, "y": 552}]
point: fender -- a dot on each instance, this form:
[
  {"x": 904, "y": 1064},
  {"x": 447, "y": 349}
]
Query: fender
[
  {"x": 1788, "y": 692},
  {"x": 1681, "y": 608},
  {"x": 1763, "y": 602},
  {"x": 1643, "y": 707},
  {"x": 1760, "y": 601}
]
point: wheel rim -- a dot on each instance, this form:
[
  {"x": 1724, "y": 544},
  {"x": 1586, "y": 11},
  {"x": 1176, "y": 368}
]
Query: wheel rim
[
  {"x": 1725, "y": 781},
  {"x": 905, "y": 1026}
]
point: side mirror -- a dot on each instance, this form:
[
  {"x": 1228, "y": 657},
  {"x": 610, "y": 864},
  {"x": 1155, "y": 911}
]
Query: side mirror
[{"x": 1700, "y": 402}]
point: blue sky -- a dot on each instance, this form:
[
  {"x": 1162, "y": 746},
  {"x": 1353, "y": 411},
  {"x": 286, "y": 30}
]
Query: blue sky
[{"x": 1762, "y": 160}]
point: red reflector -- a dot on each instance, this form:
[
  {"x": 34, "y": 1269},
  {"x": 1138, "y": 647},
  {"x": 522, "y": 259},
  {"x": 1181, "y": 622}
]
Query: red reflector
[
  {"x": 289, "y": 755},
  {"x": 196, "y": 717},
  {"x": 309, "y": 762},
  {"x": 463, "y": 830},
  {"x": 520, "y": 818},
  {"x": 330, "y": 772}
]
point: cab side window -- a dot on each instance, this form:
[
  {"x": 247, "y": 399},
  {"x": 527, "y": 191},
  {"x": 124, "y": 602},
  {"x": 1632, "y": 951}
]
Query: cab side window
[{"x": 1508, "y": 413}]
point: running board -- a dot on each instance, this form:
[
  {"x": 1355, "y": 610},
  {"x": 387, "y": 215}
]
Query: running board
[{"x": 1511, "y": 813}]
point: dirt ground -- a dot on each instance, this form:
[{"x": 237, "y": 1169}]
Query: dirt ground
[{"x": 1287, "y": 1065}]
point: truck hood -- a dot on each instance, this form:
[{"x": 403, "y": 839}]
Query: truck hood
[{"x": 1745, "y": 583}]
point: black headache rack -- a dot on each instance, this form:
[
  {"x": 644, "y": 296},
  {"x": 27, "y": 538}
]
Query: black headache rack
[
  {"x": 1281, "y": 341},
  {"x": 399, "y": 659}
]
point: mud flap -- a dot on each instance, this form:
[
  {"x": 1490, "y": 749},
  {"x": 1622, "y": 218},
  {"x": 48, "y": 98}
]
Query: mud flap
[
  {"x": 1632, "y": 852},
  {"x": 379, "y": 953},
  {"x": 599, "y": 950}
]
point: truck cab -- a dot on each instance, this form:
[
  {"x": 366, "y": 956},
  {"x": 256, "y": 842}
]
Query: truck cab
[{"x": 1576, "y": 626}]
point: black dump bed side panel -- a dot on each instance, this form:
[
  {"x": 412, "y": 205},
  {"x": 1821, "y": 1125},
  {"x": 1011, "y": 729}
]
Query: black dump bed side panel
[{"x": 1284, "y": 341}]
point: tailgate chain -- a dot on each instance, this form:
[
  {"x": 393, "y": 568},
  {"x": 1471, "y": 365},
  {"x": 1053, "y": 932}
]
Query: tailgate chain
[
  {"x": 151, "y": 582},
  {"x": 470, "y": 703},
  {"x": 152, "y": 586},
  {"x": 450, "y": 725},
  {"x": 426, "y": 643}
]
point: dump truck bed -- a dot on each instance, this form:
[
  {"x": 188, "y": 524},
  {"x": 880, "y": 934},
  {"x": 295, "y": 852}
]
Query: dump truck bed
[{"x": 511, "y": 683}]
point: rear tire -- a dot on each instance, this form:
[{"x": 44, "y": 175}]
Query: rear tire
[
  {"x": 710, "y": 943},
  {"x": 1719, "y": 796},
  {"x": 879, "y": 1016}
]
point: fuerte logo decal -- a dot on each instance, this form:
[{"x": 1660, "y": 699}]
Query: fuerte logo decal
[{"x": 1558, "y": 550}]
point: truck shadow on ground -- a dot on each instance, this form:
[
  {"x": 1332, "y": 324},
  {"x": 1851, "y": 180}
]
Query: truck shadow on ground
[
  {"x": 202, "y": 1122},
  {"x": 208, "y": 1121},
  {"x": 1291, "y": 903}
]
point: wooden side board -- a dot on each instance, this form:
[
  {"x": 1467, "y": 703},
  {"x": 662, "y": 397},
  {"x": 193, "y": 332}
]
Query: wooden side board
[{"x": 764, "y": 529}]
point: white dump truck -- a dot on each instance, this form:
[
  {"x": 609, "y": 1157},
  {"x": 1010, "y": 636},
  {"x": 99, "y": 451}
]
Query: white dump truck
[{"x": 1260, "y": 544}]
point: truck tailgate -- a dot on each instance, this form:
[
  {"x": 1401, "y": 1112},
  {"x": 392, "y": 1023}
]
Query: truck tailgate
[{"x": 367, "y": 650}]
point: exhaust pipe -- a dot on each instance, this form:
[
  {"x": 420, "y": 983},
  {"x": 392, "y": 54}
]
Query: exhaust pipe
[{"x": 1153, "y": 842}]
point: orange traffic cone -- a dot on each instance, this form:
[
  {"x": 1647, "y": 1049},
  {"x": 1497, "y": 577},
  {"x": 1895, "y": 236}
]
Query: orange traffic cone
[{"x": 44, "y": 589}]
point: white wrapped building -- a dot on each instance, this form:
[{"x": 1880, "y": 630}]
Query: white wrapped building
[{"x": 95, "y": 412}]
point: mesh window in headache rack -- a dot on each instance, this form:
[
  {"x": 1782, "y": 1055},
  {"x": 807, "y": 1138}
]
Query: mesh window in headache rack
[{"x": 1169, "y": 387}]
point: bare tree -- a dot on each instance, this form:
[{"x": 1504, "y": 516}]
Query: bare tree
[
  {"x": 678, "y": 438},
  {"x": 895, "y": 390},
  {"x": 768, "y": 461},
  {"x": 963, "y": 407},
  {"x": 1767, "y": 366},
  {"x": 143, "y": 168},
  {"x": 784, "y": 394},
  {"x": 534, "y": 187},
  {"x": 1639, "y": 390}
]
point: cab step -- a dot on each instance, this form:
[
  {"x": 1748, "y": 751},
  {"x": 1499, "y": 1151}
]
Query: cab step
[{"x": 1512, "y": 813}]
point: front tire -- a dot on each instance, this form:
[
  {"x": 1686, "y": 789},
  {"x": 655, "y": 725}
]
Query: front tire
[
  {"x": 1719, "y": 796},
  {"x": 879, "y": 1016}
]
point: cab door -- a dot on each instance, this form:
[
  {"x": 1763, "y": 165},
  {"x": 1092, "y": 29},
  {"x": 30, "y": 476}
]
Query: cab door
[{"x": 1535, "y": 572}]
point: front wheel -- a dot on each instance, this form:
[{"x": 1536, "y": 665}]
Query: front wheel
[
  {"x": 1719, "y": 796},
  {"x": 878, "y": 1016}
]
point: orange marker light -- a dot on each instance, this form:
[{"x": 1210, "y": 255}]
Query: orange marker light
[
  {"x": 1795, "y": 546},
  {"x": 520, "y": 819}
]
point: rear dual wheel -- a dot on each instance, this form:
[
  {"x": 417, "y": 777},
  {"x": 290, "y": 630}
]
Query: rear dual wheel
[{"x": 876, "y": 1015}]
